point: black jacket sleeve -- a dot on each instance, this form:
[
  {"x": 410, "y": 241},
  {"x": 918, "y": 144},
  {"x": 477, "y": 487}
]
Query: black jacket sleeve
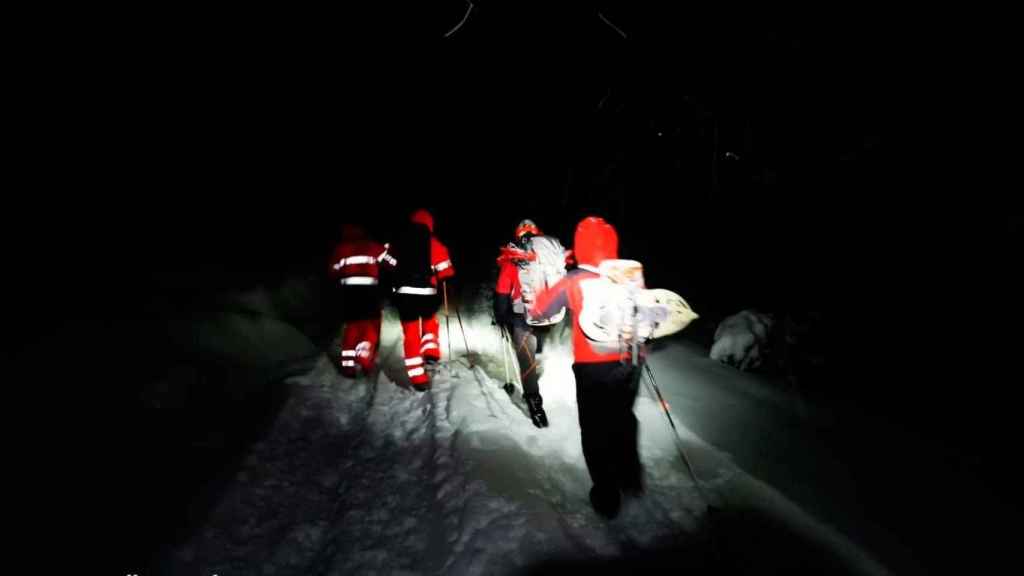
[{"x": 502, "y": 308}]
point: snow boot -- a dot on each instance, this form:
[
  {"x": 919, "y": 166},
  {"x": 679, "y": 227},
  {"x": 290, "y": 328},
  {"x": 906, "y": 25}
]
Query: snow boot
[
  {"x": 632, "y": 481},
  {"x": 421, "y": 382},
  {"x": 605, "y": 501},
  {"x": 536, "y": 405}
]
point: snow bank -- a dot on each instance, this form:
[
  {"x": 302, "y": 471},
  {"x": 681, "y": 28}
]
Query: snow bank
[{"x": 741, "y": 340}]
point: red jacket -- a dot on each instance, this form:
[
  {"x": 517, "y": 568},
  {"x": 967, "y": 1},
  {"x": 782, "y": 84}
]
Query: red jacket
[
  {"x": 595, "y": 241},
  {"x": 357, "y": 263},
  {"x": 508, "y": 273},
  {"x": 569, "y": 293},
  {"x": 440, "y": 261},
  {"x": 508, "y": 280}
]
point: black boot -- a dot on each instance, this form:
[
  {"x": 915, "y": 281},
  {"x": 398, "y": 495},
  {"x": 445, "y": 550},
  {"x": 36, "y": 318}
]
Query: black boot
[
  {"x": 631, "y": 480},
  {"x": 605, "y": 501},
  {"x": 536, "y": 405}
]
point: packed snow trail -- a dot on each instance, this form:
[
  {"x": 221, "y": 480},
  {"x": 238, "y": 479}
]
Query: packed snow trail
[{"x": 367, "y": 476}]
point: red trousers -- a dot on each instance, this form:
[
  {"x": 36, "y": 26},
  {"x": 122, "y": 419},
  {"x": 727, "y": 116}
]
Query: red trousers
[
  {"x": 359, "y": 340},
  {"x": 420, "y": 346}
]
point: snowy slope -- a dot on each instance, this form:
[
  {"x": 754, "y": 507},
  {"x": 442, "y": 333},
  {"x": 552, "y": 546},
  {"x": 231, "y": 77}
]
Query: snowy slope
[{"x": 368, "y": 476}]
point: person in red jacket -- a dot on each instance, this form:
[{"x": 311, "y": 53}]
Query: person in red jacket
[
  {"x": 606, "y": 381},
  {"x": 510, "y": 314},
  {"x": 355, "y": 269},
  {"x": 422, "y": 262}
]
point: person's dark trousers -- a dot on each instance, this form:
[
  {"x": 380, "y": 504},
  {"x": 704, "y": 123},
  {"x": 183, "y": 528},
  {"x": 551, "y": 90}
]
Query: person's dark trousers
[
  {"x": 605, "y": 393},
  {"x": 359, "y": 303},
  {"x": 526, "y": 339}
]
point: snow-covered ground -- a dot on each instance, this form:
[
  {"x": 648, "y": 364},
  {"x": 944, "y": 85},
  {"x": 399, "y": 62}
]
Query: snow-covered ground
[
  {"x": 367, "y": 476},
  {"x": 740, "y": 339}
]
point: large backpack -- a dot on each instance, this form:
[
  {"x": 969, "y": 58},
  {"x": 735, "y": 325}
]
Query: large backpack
[
  {"x": 620, "y": 313},
  {"x": 411, "y": 249},
  {"x": 541, "y": 271}
]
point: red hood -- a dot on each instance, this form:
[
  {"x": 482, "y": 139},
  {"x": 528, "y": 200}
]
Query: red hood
[
  {"x": 595, "y": 240},
  {"x": 423, "y": 217}
]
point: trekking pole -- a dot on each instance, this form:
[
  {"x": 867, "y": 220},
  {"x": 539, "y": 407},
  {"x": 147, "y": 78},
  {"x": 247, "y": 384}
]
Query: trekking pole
[
  {"x": 447, "y": 320},
  {"x": 516, "y": 368},
  {"x": 509, "y": 355},
  {"x": 469, "y": 354},
  {"x": 497, "y": 335},
  {"x": 652, "y": 384},
  {"x": 504, "y": 357},
  {"x": 504, "y": 350}
]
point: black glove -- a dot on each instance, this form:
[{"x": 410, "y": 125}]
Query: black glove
[
  {"x": 507, "y": 323},
  {"x": 503, "y": 311},
  {"x": 504, "y": 322}
]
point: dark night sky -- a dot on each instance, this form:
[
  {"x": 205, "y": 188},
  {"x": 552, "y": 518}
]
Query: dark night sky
[
  {"x": 194, "y": 148},
  {"x": 198, "y": 149},
  {"x": 242, "y": 141}
]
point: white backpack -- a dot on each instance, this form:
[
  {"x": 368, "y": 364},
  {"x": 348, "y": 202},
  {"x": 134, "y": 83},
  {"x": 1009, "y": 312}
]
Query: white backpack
[
  {"x": 620, "y": 313},
  {"x": 540, "y": 273}
]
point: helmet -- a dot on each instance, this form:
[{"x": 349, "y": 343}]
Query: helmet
[
  {"x": 524, "y": 231},
  {"x": 526, "y": 227}
]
